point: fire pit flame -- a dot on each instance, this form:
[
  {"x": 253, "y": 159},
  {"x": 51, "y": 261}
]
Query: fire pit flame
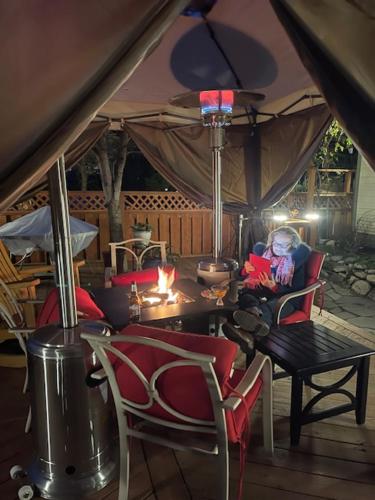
[
  {"x": 165, "y": 282},
  {"x": 162, "y": 293}
]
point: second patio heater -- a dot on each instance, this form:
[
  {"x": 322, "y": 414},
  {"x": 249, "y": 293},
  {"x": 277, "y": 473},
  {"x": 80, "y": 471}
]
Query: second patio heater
[{"x": 216, "y": 107}]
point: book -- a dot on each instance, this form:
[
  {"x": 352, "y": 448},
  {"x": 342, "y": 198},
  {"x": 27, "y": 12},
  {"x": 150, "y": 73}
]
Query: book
[{"x": 261, "y": 265}]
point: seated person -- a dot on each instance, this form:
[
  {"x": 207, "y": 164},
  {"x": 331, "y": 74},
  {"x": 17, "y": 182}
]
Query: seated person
[{"x": 257, "y": 301}]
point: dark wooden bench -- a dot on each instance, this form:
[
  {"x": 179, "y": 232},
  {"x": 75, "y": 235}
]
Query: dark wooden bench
[{"x": 306, "y": 349}]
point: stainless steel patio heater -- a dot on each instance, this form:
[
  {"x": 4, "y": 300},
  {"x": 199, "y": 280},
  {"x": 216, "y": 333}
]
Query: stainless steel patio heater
[
  {"x": 71, "y": 413},
  {"x": 216, "y": 108}
]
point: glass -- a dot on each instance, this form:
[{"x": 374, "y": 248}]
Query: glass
[
  {"x": 219, "y": 291},
  {"x": 283, "y": 247}
]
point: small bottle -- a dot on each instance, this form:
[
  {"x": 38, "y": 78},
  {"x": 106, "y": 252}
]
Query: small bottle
[{"x": 134, "y": 304}]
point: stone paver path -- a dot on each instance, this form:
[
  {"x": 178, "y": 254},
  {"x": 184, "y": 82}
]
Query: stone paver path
[{"x": 359, "y": 311}]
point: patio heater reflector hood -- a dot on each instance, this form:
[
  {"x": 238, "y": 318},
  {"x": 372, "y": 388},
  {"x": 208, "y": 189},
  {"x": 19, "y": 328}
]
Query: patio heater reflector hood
[{"x": 216, "y": 108}]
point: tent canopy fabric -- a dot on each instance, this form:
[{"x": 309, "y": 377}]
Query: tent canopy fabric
[
  {"x": 68, "y": 61},
  {"x": 235, "y": 45},
  {"x": 249, "y": 180},
  {"x": 335, "y": 42},
  {"x": 61, "y": 62},
  {"x": 238, "y": 44},
  {"x": 34, "y": 230}
]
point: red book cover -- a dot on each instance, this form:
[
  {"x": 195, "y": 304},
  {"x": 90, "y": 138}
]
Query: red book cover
[{"x": 261, "y": 265}]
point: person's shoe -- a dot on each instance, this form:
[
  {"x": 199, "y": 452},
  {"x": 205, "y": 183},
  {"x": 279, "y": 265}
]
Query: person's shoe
[
  {"x": 251, "y": 323},
  {"x": 241, "y": 337}
]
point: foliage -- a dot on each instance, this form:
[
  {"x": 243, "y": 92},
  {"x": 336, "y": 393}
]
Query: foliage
[
  {"x": 336, "y": 151},
  {"x": 334, "y": 146},
  {"x": 140, "y": 226},
  {"x": 138, "y": 175}
]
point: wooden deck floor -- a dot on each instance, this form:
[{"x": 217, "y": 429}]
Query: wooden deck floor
[{"x": 335, "y": 458}]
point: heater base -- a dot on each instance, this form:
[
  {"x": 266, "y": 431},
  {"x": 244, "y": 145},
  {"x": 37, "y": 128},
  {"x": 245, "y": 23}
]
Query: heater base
[
  {"x": 212, "y": 271},
  {"x": 65, "y": 487}
]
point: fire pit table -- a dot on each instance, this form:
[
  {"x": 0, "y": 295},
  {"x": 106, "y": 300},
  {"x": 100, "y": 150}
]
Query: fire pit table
[{"x": 194, "y": 311}]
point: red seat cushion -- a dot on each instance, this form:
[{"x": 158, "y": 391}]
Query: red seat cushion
[
  {"x": 50, "y": 312},
  {"x": 183, "y": 388},
  {"x": 143, "y": 276},
  {"x": 313, "y": 268}
]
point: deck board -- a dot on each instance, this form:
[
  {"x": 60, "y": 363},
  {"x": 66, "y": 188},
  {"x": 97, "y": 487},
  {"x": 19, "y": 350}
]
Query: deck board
[{"x": 334, "y": 460}]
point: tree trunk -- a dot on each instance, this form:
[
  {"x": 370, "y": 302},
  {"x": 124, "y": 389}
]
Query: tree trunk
[
  {"x": 84, "y": 177},
  {"x": 115, "y": 221}
]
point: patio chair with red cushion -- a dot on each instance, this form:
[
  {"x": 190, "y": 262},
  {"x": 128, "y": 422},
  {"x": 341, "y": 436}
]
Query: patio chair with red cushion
[
  {"x": 86, "y": 308},
  {"x": 163, "y": 380},
  {"x": 138, "y": 275},
  {"x": 313, "y": 267}
]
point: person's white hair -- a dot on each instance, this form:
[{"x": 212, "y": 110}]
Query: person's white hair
[{"x": 289, "y": 231}]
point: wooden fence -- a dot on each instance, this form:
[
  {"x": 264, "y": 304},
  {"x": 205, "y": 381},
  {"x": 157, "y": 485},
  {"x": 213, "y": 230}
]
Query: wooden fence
[
  {"x": 184, "y": 224},
  {"x": 335, "y": 211}
]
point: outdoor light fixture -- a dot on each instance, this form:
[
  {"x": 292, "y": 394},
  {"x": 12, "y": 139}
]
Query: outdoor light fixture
[
  {"x": 280, "y": 217},
  {"x": 312, "y": 216},
  {"x": 216, "y": 108}
]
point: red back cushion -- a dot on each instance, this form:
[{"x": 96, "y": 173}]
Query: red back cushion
[
  {"x": 313, "y": 268},
  {"x": 184, "y": 388},
  {"x": 295, "y": 317},
  {"x": 50, "y": 312},
  {"x": 143, "y": 276}
]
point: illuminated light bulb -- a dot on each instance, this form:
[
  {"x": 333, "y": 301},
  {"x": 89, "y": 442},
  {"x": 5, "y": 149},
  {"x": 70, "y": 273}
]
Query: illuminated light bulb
[
  {"x": 280, "y": 217},
  {"x": 312, "y": 216}
]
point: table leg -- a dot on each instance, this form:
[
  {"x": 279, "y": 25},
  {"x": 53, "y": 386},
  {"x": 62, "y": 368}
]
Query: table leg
[
  {"x": 296, "y": 409},
  {"x": 361, "y": 390}
]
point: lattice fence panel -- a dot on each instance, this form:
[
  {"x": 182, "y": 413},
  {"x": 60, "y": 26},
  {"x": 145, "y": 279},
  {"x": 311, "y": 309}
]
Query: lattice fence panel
[
  {"x": 331, "y": 201},
  {"x": 138, "y": 200}
]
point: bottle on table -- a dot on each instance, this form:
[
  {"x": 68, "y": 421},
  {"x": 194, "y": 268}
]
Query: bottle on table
[{"x": 134, "y": 304}]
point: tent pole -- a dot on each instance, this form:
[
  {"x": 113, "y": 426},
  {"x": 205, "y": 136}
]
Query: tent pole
[
  {"x": 216, "y": 144},
  {"x": 62, "y": 243}
]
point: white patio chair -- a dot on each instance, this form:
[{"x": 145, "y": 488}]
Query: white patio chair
[{"x": 145, "y": 366}]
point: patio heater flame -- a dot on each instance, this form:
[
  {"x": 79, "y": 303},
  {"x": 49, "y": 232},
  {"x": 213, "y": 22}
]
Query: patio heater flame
[{"x": 216, "y": 107}]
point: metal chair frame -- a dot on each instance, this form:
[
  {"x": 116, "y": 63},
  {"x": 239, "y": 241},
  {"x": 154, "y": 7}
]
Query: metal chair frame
[
  {"x": 12, "y": 314},
  {"x": 305, "y": 291},
  {"x": 216, "y": 427},
  {"x": 121, "y": 245}
]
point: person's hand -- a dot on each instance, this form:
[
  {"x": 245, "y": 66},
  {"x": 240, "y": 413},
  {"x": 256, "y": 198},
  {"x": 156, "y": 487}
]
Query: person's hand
[
  {"x": 266, "y": 281},
  {"x": 248, "y": 267}
]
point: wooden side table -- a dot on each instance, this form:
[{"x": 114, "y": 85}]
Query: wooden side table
[{"x": 308, "y": 348}]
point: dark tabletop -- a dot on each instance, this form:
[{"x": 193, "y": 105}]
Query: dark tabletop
[
  {"x": 307, "y": 347},
  {"x": 114, "y": 302}
]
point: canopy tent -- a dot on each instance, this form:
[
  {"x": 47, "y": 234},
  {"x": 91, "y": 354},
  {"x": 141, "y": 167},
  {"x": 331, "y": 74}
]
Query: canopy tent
[
  {"x": 268, "y": 146},
  {"x": 34, "y": 230},
  {"x": 65, "y": 62}
]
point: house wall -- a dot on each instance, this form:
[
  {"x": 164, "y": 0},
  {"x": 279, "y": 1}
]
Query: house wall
[{"x": 364, "y": 198}]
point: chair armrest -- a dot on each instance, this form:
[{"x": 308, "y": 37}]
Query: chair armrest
[
  {"x": 35, "y": 269},
  {"x": 30, "y": 301},
  {"x": 285, "y": 298},
  {"x": 19, "y": 285},
  {"x": 79, "y": 263},
  {"x": 21, "y": 330},
  {"x": 260, "y": 363}
]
